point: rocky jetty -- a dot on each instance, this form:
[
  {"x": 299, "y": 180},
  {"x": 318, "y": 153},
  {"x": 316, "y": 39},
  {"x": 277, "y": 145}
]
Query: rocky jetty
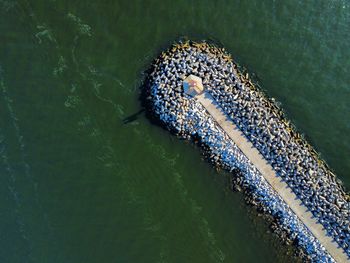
[{"x": 265, "y": 125}]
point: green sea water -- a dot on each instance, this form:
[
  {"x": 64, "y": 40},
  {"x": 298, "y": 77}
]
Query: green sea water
[{"x": 80, "y": 185}]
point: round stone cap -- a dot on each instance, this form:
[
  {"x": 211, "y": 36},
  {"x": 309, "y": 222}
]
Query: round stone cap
[{"x": 193, "y": 85}]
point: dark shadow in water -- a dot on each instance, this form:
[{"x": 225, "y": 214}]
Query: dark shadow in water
[{"x": 133, "y": 117}]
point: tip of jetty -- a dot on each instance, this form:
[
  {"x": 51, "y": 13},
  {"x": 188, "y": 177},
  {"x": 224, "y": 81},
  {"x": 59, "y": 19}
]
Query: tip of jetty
[{"x": 196, "y": 90}]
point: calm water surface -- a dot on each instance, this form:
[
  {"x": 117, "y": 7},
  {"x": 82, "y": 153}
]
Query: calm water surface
[{"x": 79, "y": 185}]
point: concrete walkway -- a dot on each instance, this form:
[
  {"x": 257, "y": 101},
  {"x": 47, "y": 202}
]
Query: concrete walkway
[{"x": 271, "y": 177}]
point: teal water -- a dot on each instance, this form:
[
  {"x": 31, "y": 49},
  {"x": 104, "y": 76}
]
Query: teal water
[{"x": 78, "y": 185}]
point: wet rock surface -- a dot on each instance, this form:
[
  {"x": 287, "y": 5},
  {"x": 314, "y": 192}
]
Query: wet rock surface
[{"x": 265, "y": 125}]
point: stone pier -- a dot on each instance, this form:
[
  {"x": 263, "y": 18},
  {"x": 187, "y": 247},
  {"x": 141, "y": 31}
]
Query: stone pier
[{"x": 266, "y": 170}]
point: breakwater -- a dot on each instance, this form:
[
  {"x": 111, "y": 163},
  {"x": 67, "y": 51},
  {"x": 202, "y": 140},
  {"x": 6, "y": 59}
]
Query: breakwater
[{"x": 265, "y": 126}]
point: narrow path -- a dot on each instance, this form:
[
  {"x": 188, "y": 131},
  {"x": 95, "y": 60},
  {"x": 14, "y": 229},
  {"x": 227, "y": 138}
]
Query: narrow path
[{"x": 271, "y": 177}]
